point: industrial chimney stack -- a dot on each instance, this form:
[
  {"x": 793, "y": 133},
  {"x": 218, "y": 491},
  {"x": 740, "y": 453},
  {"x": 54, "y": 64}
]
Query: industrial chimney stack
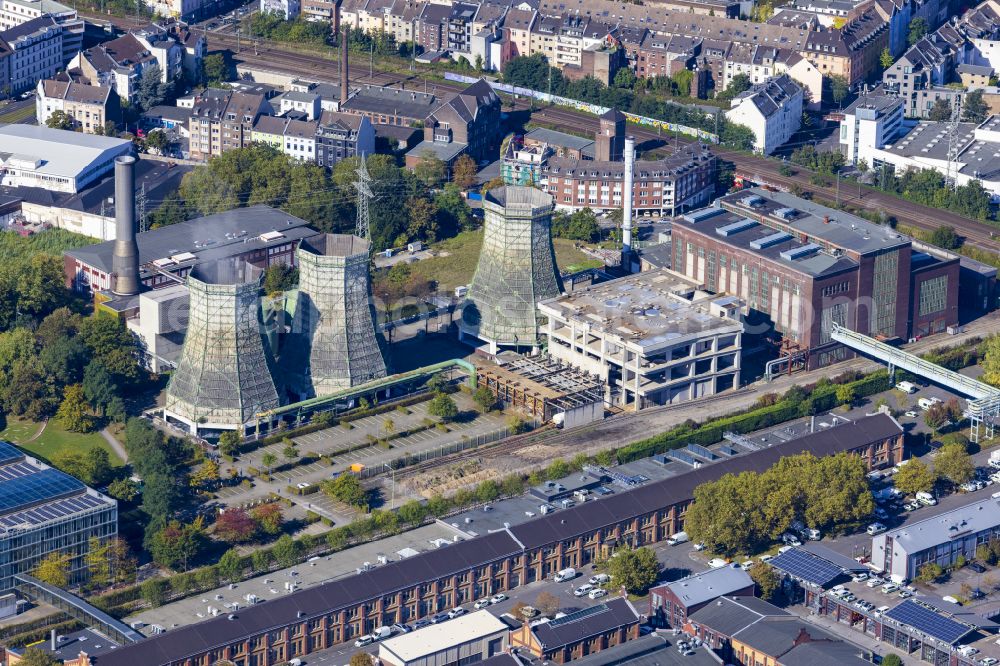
[
  {"x": 344, "y": 79},
  {"x": 627, "y": 203},
  {"x": 125, "y": 262}
]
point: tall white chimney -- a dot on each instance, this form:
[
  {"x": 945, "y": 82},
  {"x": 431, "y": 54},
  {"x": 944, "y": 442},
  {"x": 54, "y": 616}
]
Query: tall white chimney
[{"x": 627, "y": 203}]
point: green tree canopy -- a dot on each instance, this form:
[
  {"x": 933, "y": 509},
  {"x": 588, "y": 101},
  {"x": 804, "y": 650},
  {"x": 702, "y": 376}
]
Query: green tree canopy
[
  {"x": 954, "y": 463},
  {"x": 974, "y": 107},
  {"x": 940, "y": 111},
  {"x": 635, "y": 570},
  {"x": 918, "y": 28},
  {"x": 914, "y": 477},
  {"x": 767, "y": 579},
  {"x": 443, "y": 407}
]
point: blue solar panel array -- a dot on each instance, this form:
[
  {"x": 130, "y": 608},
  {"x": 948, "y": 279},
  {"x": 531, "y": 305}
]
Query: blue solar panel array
[
  {"x": 807, "y": 567},
  {"x": 928, "y": 621},
  {"x": 9, "y": 453},
  {"x": 26, "y": 491},
  {"x": 578, "y": 615}
]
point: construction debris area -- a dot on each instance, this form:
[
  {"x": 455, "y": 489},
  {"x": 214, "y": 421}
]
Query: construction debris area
[{"x": 543, "y": 388}]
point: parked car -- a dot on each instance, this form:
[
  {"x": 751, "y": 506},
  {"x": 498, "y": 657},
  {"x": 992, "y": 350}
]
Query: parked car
[
  {"x": 481, "y": 604},
  {"x": 717, "y": 563},
  {"x": 977, "y": 567},
  {"x": 362, "y": 641},
  {"x": 876, "y": 528},
  {"x": 860, "y": 577},
  {"x": 700, "y": 546},
  {"x": 421, "y": 623},
  {"x": 597, "y": 593},
  {"x": 889, "y": 588},
  {"x": 402, "y": 628},
  {"x": 498, "y": 597},
  {"x": 874, "y": 581},
  {"x": 456, "y": 612},
  {"x": 439, "y": 618},
  {"x": 583, "y": 590},
  {"x": 599, "y": 579}
]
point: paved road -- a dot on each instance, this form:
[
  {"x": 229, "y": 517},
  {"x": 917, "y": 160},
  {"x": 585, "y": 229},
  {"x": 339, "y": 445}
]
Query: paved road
[{"x": 115, "y": 445}]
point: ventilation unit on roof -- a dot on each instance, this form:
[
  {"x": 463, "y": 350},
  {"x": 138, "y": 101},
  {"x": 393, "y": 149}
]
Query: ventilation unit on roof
[
  {"x": 768, "y": 241},
  {"x": 752, "y": 200},
  {"x": 799, "y": 252},
  {"x": 786, "y": 213},
  {"x": 700, "y": 215},
  {"x": 735, "y": 227}
]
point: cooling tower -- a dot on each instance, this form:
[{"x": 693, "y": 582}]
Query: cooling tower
[
  {"x": 222, "y": 379},
  {"x": 516, "y": 269},
  {"x": 334, "y": 344}
]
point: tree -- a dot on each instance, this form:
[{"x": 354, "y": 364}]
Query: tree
[
  {"x": 892, "y": 660},
  {"x": 423, "y": 220},
  {"x": 286, "y": 551},
  {"x": 60, "y": 120},
  {"x": 454, "y": 214},
  {"x": 485, "y": 399},
  {"x": 990, "y": 362},
  {"x": 974, "y": 108},
  {"x": 157, "y": 140},
  {"x": 235, "y": 526},
  {"x": 431, "y": 169},
  {"x": 268, "y": 517},
  {"x": 582, "y": 225},
  {"x": 214, "y": 69},
  {"x": 918, "y": 28},
  {"x": 53, "y": 569},
  {"x": 229, "y": 442},
  {"x": 154, "y": 590},
  {"x": 346, "y": 488},
  {"x": 767, "y": 579},
  {"x": 35, "y": 656},
  {"x": 231, "y": 565},
  {"x": 123, "y": 490},
  {"x": 936, "y": 417},
  {"x": 92, "y": 466},
  {"x": 945, "y": 237},
  {"x": 954, "y": 463},
  {"x": 625, "y": 78},
  {"x": 290, "y": 451},
  {"x": 682, "y": 82},
  {"x": 941, "y": 111},
  {"x": 635, "y": 570},
  {"x": 151, "y": 90},
  {"x": 915, "y": 477},
  {"x": 175, "y": 545},
  {"x": 206, "y": 476},
  {"x": 737, "y": 84},
  {"x": 41, "y": 288},
  {"x": 73, "y": 414},
  {"x": 279, "y": 278},
  {"x": 886, "y": 59},
  {"x": 443, "y": 407},
  {"x": 268, "y": 460},
  {"x": 839, "y": 87},
  {"x": 112, "y": 345},
  {"x": 930, "y": 572},
  {"x": 547, "y": 603},
  {"x": 846, "y": 395},
  {"x": 762, "y": 12},
  {"x": 361, "y": 659},
  {"x": 464, "y": 172}
]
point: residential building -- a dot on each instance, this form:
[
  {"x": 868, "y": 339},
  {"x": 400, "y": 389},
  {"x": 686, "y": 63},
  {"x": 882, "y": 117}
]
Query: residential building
[
  {"x": 432, "y": 27},
  {"x": 468, "y": 123},
  {"x": 772, "y": 110},
  {"x": 401, "y": 19},
  {"x": 684, "y": 180},
  {"x": 975, "y": 77},
  {"x": 671, "y": 604},
  {"x": 308, "y": 104},
  {"x": 89, "y": 107},
  {"x": 120, "y": 63},
  {"x": 761, "y": 62},
  {"x": 6, "y": 54},
  {"x": 459, "y": 30},
  {"x": 468, "y": 639},
  {"x": 56, "y": 160},
  {"x": 47, "y": 511},
  {"x": 223, "y": 120},
  {"x": 940, "y": 540},
  {"x": 35, "y": 52},
  {"x": 563, "y": 37},
  {"x": 288, "y": 10},
  {"x": 648, "y": 337},
  {"x": 517, "y": 27},
  {"x": 249, "y": 234},
  {"x": 872, "y": 121},
  {"x": 269, "y": 131},
  {"x": 324, "y": 615},
  {"x": 746, "y": 630},
  {"x": 664, "y": 55},
  {"x": 343, "y": 135},
  {"x": 578, "y": 634},
  {"x": 16, "y": 12},
  {"x": 803, "y": 266},
  {"x": 918, "y": 75},
  {"x": 300, "y": 140},
  {"x": 193, "y": 46}
]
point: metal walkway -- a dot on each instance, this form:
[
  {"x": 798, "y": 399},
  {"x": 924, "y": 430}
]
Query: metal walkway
[{"x": 983, "y": 402}]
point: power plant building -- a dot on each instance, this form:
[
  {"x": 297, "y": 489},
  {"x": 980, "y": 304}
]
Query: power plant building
[
  {"x": 651, "y": 338},
  {"x": 334, "y": 344},
  {"x": 222, "y": 381},
  {"x": 516, "y": 269}
]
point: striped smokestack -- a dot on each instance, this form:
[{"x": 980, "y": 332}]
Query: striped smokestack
[
  {"x": 627, "y": 203},
  {"x": 125, "y": 260}
]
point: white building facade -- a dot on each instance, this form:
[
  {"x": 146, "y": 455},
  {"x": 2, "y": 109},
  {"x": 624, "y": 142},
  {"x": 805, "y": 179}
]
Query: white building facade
[
  {"x": 871, "y": 122},
  {"x": 772, "y": 110}
]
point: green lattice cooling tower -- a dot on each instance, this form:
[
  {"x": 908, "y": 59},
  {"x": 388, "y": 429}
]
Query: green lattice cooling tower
[{"x": 516, "y": 268}]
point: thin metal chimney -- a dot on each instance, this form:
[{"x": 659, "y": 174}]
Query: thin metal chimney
[
  {"x": 344, "y": 79},
  {"x": 55, "y": 641},
  {"x": 627, "y": 203},
  {"x": 125, "y": 261}
]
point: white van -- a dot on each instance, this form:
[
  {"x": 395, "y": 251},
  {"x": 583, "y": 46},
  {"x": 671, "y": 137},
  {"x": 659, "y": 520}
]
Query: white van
[
  {"x": 906, "y": 387},
  {"x": 565, "y": 575},
  {"x": 926, "y": 498},
  {"x": 678, "y": 538},
  {"x": 927, "y": 403}
]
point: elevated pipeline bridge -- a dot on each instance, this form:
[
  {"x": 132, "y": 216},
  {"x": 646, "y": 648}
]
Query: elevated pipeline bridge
[{"x": 982, "y": 400}]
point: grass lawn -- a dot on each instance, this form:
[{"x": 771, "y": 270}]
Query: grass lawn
[
  {"x": 462, "y": 252},
  {"x": 54, "y": 440}
]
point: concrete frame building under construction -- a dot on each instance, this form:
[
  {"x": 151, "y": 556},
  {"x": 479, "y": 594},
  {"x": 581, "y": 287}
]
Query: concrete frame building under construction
[
  {"x": 516, "y": 269},
  {"x": 223, "y": 380},
  {"x": 334, "y": 343}
]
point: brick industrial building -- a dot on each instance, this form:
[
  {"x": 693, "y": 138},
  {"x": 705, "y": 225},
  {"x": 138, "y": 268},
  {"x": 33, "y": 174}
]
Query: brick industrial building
[
  {"x": 419, "y": 586},
  {"x": 801, "y": 267}
]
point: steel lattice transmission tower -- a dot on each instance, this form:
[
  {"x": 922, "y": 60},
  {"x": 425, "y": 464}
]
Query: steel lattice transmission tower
[
  {"x": 334, "y": 343},
  {"x": 364, "y": 186},
  {"x": 223, "y": 380},
  {"x": 516, "y": 269}
]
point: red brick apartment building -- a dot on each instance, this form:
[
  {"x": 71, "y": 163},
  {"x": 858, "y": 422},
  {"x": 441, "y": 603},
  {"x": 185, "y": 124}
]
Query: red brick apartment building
[{"x": 401, "y": 591}]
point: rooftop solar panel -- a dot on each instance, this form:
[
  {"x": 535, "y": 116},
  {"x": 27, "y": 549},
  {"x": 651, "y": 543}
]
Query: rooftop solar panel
[
  {"x": 807, "y": 567},
  {"x": 9, "y": 453},
  {"x": 26, "y": 491},
  {"x": 578, "y": 615},
  {"x": 927, "y": 620}
]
